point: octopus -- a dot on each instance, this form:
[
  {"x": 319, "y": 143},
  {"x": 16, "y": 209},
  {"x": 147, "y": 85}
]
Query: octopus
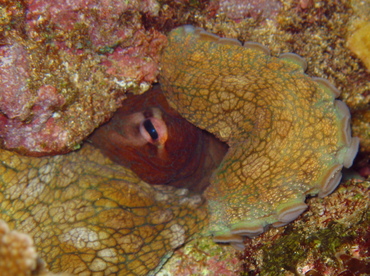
[
  {"x": 288, "y": 136},
  {"x": 144, "y": 136},
  {"x": 89, "y": 216},
  {"x": 279, "y": 136}
]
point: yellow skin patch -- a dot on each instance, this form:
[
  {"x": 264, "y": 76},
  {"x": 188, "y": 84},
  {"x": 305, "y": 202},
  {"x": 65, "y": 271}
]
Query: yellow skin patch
[
  {"x": 89, "y": 215},
  {"x": 287, "y": 134}
]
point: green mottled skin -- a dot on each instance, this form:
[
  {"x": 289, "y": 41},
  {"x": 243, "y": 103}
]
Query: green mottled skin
[
  {"x": 87, "y": 214},
  {"x": 284, "y": 130}
]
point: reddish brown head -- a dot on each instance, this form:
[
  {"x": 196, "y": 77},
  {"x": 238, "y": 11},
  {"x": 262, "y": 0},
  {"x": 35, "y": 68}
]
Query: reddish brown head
[{"x": 154, "y": 141}]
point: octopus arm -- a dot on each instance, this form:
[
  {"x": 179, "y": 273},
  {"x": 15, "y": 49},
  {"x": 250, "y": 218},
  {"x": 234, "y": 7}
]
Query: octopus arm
[
  {"x": 288, "y": 135},
  {"x": 88, "y": 215}
]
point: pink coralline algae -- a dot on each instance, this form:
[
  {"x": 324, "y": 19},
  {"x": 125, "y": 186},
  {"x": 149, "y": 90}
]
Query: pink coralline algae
[
  {"x": 29, "y": 135},
  {"x": 101, "y": 16},
  {"x": 66, "y": 67},
  {"x": 27, "y": 117},
  {"x": 239, "y": 9},
  {"x": 113, "y": 27},
  {"x": 14, "y": 96},
  {"x": 203, "y": 257},
  {"x": 129, "y": 63}
]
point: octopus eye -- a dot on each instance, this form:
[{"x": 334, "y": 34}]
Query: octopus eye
[
  {"x": 150, "y": 129},
  {"x": 154, "y": 131}
]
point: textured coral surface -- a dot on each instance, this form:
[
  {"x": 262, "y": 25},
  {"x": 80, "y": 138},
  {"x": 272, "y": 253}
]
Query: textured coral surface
[
  {"x": 203, "y": 257},
  {"x": 17, "y": 252},
  {"x": 65, "y": 68},
  {"x": 359, "y": 43}
]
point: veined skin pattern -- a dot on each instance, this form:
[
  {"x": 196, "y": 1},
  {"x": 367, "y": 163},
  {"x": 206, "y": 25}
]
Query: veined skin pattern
[{"x": 288, "y": 135}]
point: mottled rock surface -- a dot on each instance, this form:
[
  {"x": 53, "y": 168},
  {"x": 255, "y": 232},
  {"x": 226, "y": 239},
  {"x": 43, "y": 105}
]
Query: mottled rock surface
[{"x": 65, "y": 68}]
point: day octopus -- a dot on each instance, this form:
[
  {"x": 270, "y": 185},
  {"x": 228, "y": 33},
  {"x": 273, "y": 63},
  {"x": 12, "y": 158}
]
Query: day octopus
[
  {"x": 287, "y": 135},
  {"x": 268, "y": 136},
  {"x": 149, "y": 137}
]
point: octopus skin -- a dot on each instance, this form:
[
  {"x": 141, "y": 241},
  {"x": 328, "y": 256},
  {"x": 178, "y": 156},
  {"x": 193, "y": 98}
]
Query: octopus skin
[
  {"x": 288, "y": 135},
  {"x": 89, "y": 216},
  {"x": 154, "y": 141}
]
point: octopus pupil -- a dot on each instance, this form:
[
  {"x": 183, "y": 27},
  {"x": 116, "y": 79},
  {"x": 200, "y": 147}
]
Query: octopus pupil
[{"x": 150, "y": 129}]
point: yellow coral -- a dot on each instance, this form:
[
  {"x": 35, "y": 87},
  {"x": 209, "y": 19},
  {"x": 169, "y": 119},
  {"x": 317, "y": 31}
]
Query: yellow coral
[
  {"x": 359, "y": 43},
  {"x": 17, "y": 252}
]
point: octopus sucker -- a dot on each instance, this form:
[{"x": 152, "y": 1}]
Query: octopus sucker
[
  {"x": 343, "y": 110},
  {"x": 294, "y": 58},
  {"x": 287, "y": 134},
  {"x": 327, "y": 86},
  {"x": 331, "y": 180},
  {"x": 257, "y": 46},
  {"x": 351, "y": 152},
  {"x": 247, "y": 230},
  {"x": 291, "y": 212}
]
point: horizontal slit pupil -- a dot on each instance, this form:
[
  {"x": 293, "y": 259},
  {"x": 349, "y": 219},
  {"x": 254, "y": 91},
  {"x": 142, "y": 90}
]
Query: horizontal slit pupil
[{"x": 151, "y": 129}]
